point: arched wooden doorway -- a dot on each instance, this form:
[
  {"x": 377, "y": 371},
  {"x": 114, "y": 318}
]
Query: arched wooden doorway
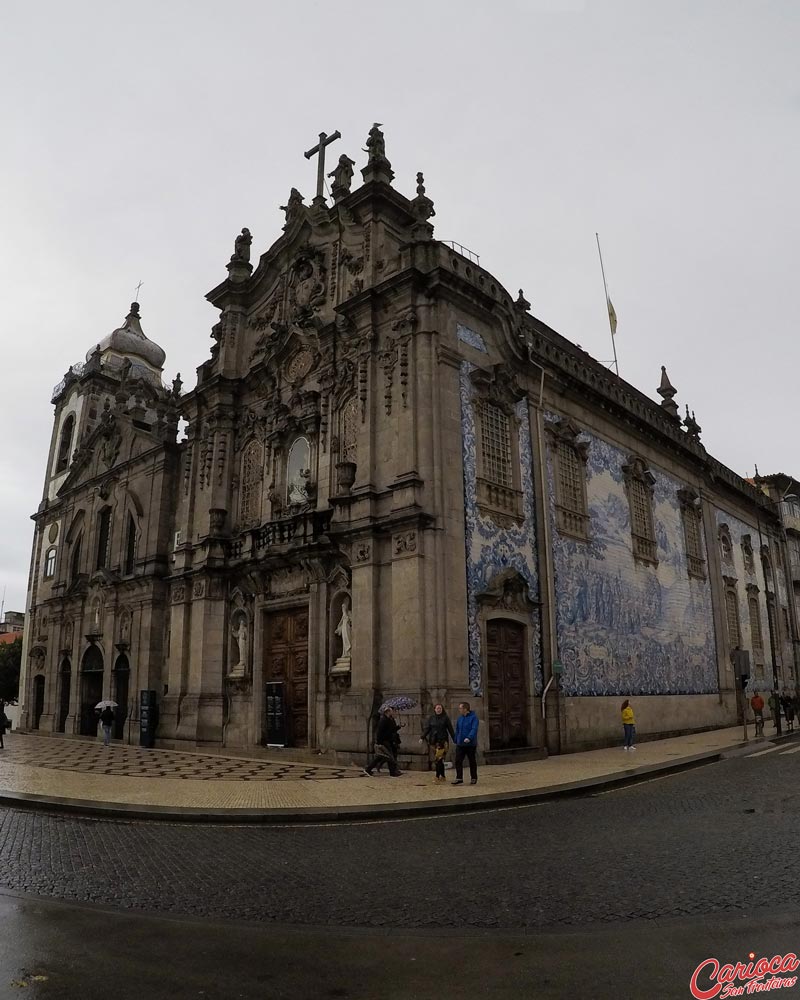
[
  {"x": 91, "y": 689},
  {"x": 507, "y": 687},
  {"x": 122, "y": 674},
  {"x": 65, "y": 689},
  {"x": 38, "y": 699}
]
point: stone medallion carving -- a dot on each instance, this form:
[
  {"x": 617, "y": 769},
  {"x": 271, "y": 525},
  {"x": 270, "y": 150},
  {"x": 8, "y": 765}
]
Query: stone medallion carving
[{"x": 299, "y": 365}]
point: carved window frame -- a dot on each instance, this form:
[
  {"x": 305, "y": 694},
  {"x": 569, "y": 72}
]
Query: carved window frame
[
  {"x": 286, "y": 485},
  {"x": 102, "y": 555},
  {"x": 572, "y": 513},
  {"x": 639, "y": 484},
  {"x": 349, "y": 423},
  {"x": 692, "y": 518},
  {"x": 501, "y": 502},
  {"x": 725, "y": 543},
  {"x": 251, "y": 481},
  {"x": 748, "y": 555}
]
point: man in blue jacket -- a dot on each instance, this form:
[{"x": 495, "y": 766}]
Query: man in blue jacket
[{"x": 466, "y": 743}]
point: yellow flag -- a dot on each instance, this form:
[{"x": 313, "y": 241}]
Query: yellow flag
[{"x": 612, "y": 316}]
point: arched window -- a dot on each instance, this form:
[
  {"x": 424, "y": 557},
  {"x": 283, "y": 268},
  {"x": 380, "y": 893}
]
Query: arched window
[
  {"x": 75, "y": 564},
  {"x": 756, "y": 636},
  {"x": 103, "y": 538},
  {"x": 298, "y": 472},
  {"x": 732, "y": 616},
  {"x": 64, "y": 444},
  {"x": 50, "y": 564},
  {"x": 130, "y": 545},
  {"x": 252, "y": 471}
]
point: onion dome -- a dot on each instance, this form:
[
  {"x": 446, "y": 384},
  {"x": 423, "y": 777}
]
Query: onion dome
[{"x": 129, "y": 342}]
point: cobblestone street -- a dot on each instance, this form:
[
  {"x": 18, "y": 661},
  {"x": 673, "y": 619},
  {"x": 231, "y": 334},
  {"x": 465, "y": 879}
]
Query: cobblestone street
[{"x": 715, "y": 840}]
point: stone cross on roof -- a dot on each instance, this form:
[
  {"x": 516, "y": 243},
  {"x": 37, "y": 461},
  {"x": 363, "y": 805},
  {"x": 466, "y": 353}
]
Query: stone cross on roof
[{"x": 324, "y": 140}]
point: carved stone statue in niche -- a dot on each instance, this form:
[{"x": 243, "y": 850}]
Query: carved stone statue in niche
[
  {"x": 240, "y": 634},
  {"x": 307, "y": 290},
  {"x": 344, "y": 629}
]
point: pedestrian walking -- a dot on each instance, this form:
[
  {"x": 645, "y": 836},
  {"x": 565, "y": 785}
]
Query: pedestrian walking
[
  {"x": 787, "y": 704},
  {"x": 387, "y": 740},
  {"x": 5, "y": 722},
  {"x": 775, "y": 707},
  {"x": 107, "y": 721},
  {"x": 437, "y": 734},
  {"x": 466, "y": 737},
  {"x": 628, "y": 725},
  {"x": 757, "y": 704}
]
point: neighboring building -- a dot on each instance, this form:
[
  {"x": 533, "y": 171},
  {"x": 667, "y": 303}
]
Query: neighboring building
[
  {"x": 784, "y": 492},
  {"x": 395, "y": 480},
  {"x": 12, "y": 626}
]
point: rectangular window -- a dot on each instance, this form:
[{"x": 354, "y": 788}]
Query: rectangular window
[
  {"x": 573, "y": 517},
  {"x": 644, "y": 542},
  {"x": 732, "y": 614},
  {"x": 787, "y": 627},
  {"x": 496, "y": 446},
  {"x": 695, "y": 557}
]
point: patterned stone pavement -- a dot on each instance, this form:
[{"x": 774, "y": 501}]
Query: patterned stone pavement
[
  {"x": 91, "y": 757},
  {"x": 129, "y": 776}
]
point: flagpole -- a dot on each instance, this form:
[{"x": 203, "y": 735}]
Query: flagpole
[{"x": 605, "y": 289}]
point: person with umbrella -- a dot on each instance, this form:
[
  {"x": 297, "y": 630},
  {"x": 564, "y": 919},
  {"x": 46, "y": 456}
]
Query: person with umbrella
[
  {"x": 106, "y": 719},
  {"x": 387, "y": 739},
  {"x": 437, "y": 734}
]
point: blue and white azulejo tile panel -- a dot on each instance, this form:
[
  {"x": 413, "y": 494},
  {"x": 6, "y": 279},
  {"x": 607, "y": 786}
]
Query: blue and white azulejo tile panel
[
  {"x": 467, "y": 336},
  {"x": 491, "y": 549}
]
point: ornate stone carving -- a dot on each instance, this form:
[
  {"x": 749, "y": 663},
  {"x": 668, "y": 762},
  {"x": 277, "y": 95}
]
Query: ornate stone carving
[
  {"x": 363, "y": 551},
  {"x": 507, "y": 591},
  {"x": 299, "y": 365},
  {"x": 306, "y": 286},
  {"x": 199, "y": 588},
  {"x": 406, "y": 542},
  {"x": 178, "y": 593},
  {"x": 240, "y": 632}
]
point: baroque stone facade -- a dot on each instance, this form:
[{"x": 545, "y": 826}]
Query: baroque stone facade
[{"x": 394, "y": 480}]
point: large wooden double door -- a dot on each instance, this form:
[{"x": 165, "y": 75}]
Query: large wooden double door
[
  {"x": 507, "y": 688},
  {"x": 286, "y": 664}
]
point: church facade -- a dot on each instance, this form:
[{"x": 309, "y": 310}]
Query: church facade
[{"x": 394, "y": 480}]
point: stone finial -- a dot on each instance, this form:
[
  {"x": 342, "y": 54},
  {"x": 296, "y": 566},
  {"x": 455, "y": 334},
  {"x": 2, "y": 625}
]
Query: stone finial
[
  {"x": 342, "y": 175},
  {"x": 667, "y": 390},
  {"x": 522, "y": 303},
  {"x": 378, "y": 168},
  {"x": 693, "y": 429},
  {"x": 422, "y": 209}
]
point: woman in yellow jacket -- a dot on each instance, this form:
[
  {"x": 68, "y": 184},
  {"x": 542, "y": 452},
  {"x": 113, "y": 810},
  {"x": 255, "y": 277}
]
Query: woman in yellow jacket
[{"x": 628, "y": 725}]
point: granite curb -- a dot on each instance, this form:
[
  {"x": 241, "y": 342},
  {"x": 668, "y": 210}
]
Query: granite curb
[{"x": 353, "y": 813}]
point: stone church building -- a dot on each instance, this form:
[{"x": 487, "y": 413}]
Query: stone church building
[{"x": 394, "y": 479}]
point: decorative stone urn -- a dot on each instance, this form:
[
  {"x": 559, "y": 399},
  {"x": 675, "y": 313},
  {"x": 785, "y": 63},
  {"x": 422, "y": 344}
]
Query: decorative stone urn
[{"x": 345, "y": 477}]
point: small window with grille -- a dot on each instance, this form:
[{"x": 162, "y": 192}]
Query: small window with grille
[
  {"x": 571, "y": 503},
  {"x": 642, "y": 529},
  {"x": 496, "y": 445},
  {"x": 693, "y": 533}
]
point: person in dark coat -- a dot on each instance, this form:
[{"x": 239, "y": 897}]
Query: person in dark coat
[
  {"x": 437, "y": 734},
  {"x": 787, "y": 704},
  {"x": 387, "y": 739},
  {"x": 107, "y": 721},
  {"x": 466, "y": 743},
  {"x": 4, "y": 721}
]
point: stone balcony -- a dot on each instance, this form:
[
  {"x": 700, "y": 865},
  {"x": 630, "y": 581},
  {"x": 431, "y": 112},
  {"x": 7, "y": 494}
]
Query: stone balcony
[{"x": 276, "y": 537}]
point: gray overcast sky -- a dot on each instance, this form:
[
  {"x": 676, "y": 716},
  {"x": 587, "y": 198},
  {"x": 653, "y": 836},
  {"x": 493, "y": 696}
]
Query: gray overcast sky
[{"x": 138, "y": 139}]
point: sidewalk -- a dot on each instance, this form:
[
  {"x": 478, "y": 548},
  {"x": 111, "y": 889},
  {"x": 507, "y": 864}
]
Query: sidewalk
[{"x": 84, "y": 776}]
